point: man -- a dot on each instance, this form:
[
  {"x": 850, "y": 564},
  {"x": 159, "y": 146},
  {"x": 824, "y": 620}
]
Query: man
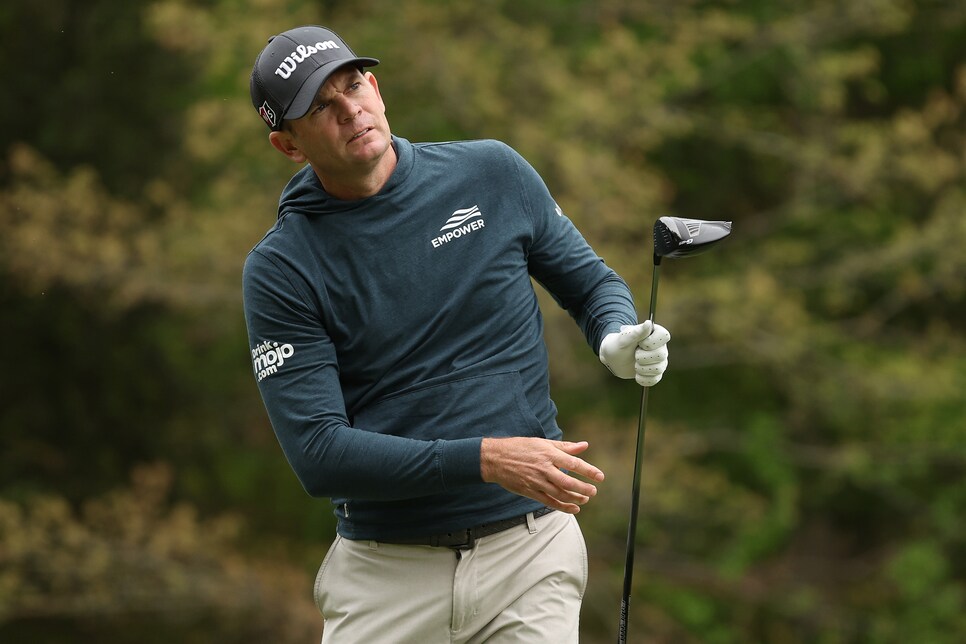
[{"x": 397, "y": 344}]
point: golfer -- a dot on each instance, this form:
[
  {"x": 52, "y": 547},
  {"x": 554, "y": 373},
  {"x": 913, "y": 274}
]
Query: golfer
[{"x": 398, "y": 348}]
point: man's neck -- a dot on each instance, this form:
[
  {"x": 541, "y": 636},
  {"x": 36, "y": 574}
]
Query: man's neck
[{"x": 363, "y": 185}]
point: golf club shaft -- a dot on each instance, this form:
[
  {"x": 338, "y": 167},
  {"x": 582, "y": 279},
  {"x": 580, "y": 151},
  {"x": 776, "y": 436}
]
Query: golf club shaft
[{"x": 636, "y": 489}]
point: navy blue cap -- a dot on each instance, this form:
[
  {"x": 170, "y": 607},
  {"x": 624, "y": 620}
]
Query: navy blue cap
[{"x": 293, "y": 66}]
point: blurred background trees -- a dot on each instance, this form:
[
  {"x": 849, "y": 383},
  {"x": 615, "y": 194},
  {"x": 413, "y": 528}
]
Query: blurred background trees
[{"x": 804, "y": 474}]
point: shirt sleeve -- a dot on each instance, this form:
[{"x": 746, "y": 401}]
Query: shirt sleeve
[
  {"x": 562, "y": 261},
  {"x": 296, "y": 367}
]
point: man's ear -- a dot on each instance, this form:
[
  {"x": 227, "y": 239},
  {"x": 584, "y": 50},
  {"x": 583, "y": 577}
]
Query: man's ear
[
  {"x": 371, "y": 78},
  {"x": 285, "y": 143}
]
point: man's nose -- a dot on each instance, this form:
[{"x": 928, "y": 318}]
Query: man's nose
[{"x": 348, "y": 109}]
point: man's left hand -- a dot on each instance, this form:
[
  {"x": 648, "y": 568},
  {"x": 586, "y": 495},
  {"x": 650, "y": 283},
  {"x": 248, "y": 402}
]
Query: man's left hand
[{"x": 639, "y": 351}]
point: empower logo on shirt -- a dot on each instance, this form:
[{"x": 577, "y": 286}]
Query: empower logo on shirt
[{"x": 461, "y": 222}]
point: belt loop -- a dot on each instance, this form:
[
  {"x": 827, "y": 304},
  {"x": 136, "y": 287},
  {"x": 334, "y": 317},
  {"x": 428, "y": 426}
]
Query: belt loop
[
  {"x": 373, "y": 545},
  {"x": 531, "y": 523}
]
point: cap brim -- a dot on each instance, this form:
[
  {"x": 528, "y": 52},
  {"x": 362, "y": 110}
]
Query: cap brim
[{"x": 303, "y": 100}]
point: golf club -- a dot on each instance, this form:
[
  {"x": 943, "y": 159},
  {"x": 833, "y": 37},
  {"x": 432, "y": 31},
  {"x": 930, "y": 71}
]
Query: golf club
[{"x": 673, "y": 237}]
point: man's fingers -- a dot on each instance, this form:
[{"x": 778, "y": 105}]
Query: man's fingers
[
  {"x": 650, "y": 364},
  {"x": 559, "y": 501},
  {"x": 570, "y": 447},
  {"x": 573, "y": 464},
  {"x": 658, "y": 338},
  {"x": 562, "y": 491},
  {"x": 541, "y": 469},
  {"x": 648, "y": 381},
  {"x": 551, "y": 502},
  {"x": 656, "y": 356},
  {"x": 568, "y": 485},
  {"x": 631, "y": 334}
]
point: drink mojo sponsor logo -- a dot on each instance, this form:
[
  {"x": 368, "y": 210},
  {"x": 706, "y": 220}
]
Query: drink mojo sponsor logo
[
  {"x": 461, "y": 222},
  {"x": 291, "y": 62},
  {"x": 268, "y": 357}
]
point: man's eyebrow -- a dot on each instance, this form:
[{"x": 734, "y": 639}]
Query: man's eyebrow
[
  {"x": 319, "y": 98},
  {"x": 320, "y": 95}
]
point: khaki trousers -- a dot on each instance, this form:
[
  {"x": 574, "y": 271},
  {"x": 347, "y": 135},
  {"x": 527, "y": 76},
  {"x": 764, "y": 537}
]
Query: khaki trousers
[{"x": 522, "y": 585}]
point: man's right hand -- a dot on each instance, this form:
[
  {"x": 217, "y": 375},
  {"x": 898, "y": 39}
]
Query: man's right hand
[{"x": 532, "y": 467}]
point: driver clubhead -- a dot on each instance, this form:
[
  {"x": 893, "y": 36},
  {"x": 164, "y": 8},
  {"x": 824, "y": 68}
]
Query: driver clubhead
[{"x": 680, "y": 237}]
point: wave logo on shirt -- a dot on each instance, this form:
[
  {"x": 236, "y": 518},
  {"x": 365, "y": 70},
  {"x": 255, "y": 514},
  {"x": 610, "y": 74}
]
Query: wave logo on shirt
[
  {"x": 461, "y": 222},
  {"x": 268, "y": 357}
]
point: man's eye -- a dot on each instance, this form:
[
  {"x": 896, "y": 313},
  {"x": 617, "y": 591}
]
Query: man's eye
[
  {"x": 355, "y": 86},
  {"x": 320, "y": 107}
]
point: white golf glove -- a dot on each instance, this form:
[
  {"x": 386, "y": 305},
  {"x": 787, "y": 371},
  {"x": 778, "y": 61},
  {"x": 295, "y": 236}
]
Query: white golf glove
[{"x": 637, "y": 352}]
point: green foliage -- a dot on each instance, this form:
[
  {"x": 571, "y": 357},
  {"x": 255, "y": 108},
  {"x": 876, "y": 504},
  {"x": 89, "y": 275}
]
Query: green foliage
[
  {"x": 805, "y": 456},
  {"x": 131, "y": 553},
  {"x": 90, "y": 85}
]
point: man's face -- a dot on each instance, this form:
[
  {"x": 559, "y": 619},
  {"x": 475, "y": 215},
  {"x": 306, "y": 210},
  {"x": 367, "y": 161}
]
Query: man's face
[{"x": 345, "y": 133}]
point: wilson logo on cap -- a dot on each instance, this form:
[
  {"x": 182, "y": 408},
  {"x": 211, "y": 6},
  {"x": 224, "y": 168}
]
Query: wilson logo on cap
[{"x": 302, "y": 52}]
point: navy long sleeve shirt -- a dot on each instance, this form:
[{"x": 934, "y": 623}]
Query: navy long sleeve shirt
[{"x": 390, "y": 334}]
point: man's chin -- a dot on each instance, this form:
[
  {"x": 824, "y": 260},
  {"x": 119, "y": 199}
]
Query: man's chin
[{"x": 370, "y": 147}]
